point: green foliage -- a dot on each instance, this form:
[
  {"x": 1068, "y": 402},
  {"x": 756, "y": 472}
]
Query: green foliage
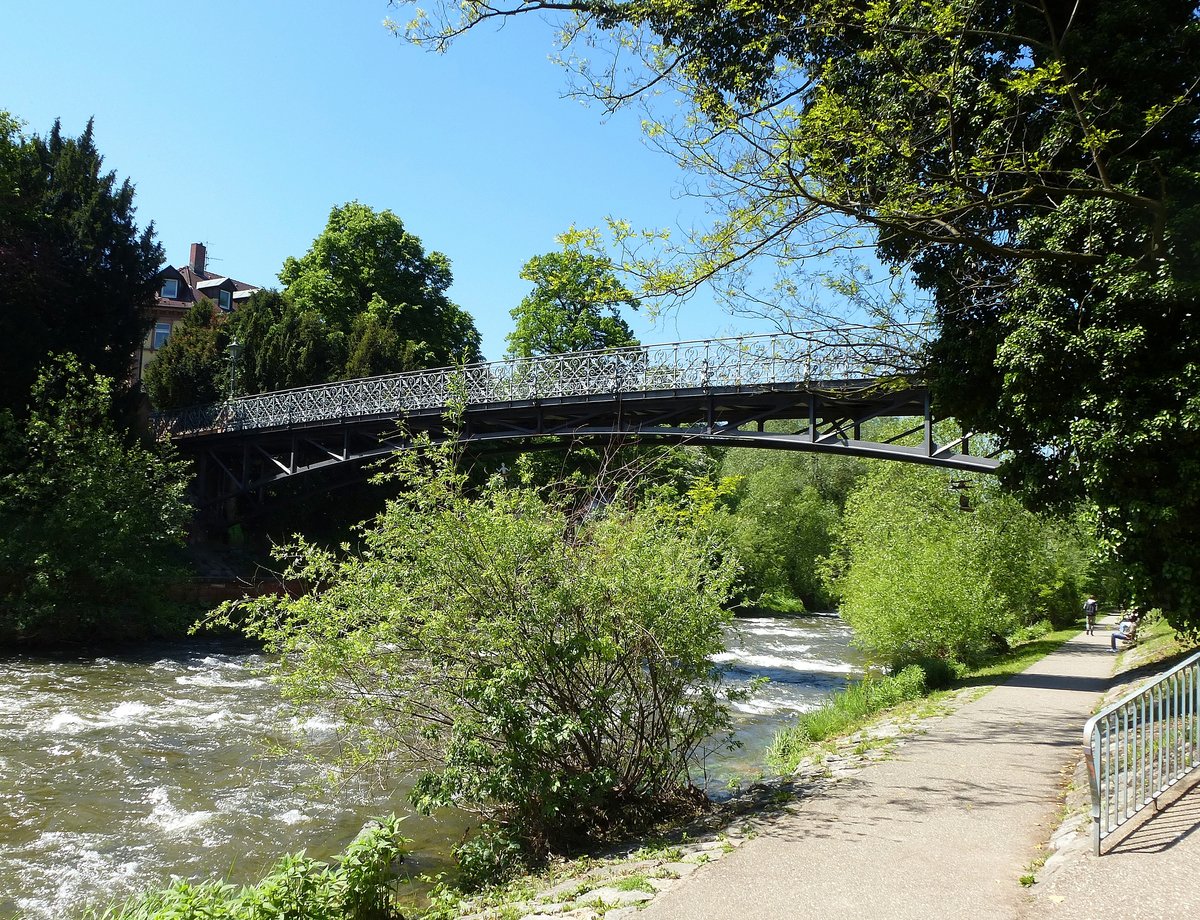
[
  {"x": 785, "y": 515},
  {"x": 366, "y": 299},
  {"x": 921, "y": 578},
  {"x": 1033, "y": 167},
  {"x": 76, "y": 275},
  {"x": 843, "y": 712},
  {"x": 89, "y": 524},
  {"x": 575, "y": 306},
  {"x": 360, "y": 886},
  {"x": 371, "y": 280},
  {"x": 284, "y": 345},
  {"x": 190, "y": 368},
  {"x": 543, "y": 665},
  {"x": 492, "y": 854}
]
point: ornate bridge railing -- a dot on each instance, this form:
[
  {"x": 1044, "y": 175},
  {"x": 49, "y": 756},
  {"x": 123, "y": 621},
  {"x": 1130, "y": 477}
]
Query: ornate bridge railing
[{"x": 783, "y": 359}]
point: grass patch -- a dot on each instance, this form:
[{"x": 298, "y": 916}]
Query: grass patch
[
  {"x": 634, "y": 883},
  {"x": 843, "y": 713},
  {"x": 658, "y": 850}
]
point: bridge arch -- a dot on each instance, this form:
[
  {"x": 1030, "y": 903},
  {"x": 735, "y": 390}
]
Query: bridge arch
[{"x": 715, "y": 392}]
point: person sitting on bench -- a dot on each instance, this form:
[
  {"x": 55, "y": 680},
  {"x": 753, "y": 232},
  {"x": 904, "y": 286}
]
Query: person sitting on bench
[{"x": 1126, "y": 630}]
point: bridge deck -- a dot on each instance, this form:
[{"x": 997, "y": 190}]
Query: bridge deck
[{"x": 717, "y": 392}]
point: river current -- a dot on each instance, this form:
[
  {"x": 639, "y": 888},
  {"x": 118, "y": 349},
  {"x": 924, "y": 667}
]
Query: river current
[{"x": 119, "y": 772}]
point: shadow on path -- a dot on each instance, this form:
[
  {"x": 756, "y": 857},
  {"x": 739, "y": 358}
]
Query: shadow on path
[
  {"x": 1061, "y": 682},
  {"x": 1167, "y": 827}
]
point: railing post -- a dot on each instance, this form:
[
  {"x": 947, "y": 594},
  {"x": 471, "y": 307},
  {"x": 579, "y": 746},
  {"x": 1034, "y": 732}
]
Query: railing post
[
  {"x": 928, "y": 424},
  {"x": 1093, "y": 765}
]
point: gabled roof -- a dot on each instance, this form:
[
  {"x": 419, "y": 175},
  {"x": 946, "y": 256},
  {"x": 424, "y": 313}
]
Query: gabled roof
[
  {"x": 212, "y": 284},
  {"x": 194, "y": 285}
]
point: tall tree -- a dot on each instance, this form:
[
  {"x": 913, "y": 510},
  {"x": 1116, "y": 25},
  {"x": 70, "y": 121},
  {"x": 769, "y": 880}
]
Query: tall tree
[
  {"x": 366, "y": 299},
  {"x": 1035, "y": 166},
  {"x": 575, "y": 305},
  {"x": 191, "y": 366},
  {"x": 284, "y": 345},
  {"x": 76, "y": 274},
  {"x": 366, "y": 264}
]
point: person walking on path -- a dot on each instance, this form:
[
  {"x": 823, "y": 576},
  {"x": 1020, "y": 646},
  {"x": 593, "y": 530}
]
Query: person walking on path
[
  {"x": 1090, "y": 606},
  {"x": 946, "y": 828}
]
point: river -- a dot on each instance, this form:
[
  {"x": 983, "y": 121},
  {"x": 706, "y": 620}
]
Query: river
[{"x": 118, "y": 772}]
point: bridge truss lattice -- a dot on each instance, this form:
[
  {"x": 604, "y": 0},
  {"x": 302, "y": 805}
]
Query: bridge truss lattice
[{"x": 719, "y": 391}]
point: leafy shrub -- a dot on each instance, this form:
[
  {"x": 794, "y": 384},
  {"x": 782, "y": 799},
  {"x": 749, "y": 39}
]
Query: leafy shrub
[
  {"x": 544, "y": 667},
  {"x": 489, "y": 855},
  {"x": 360, "y": 886},
  {"x": 939, "y": 673},
  {"x": 920, "y": 579},
  {"x": 1032, "y": 631},
  {"x": 89, "y": 522},
  {"x": 781, "y": 525}
]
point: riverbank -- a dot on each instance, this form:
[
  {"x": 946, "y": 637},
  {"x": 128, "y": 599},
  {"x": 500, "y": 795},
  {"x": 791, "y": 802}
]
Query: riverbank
[
  {"x": 843, "y": 775},
  {"x": 121, "y": 769},
  {"x": 626, "y": 880}
]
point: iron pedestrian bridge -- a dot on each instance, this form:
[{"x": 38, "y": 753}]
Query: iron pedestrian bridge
[{"x": 716, "y": 392}]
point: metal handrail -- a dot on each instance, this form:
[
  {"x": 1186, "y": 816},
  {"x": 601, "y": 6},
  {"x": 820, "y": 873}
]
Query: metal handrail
[
  {"x": 1142, "y": 745},
  {"x": 850, "y": 352}
]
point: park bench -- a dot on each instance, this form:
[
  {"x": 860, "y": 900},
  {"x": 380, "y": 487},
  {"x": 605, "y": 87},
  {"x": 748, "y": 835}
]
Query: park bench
[{"x": 1131, "y": 639}]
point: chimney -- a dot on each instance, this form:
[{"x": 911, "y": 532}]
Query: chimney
[{"x": 196, "y": 258}]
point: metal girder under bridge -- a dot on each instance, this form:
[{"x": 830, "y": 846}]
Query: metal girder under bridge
[{"x": 718, "y": 392}]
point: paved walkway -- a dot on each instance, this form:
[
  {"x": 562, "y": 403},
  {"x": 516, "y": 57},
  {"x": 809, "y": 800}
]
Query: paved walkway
[{"x": 948, "y": 827}]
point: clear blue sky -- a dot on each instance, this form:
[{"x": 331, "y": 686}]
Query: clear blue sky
[{"x": 242, "y": 123}]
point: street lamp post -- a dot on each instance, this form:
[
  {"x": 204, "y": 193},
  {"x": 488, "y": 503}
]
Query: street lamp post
[{"x": 233, "y": 349}]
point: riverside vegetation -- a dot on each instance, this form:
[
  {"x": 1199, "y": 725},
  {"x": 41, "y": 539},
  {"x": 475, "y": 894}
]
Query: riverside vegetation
[
  {"x": 538, "y": 654},
  {"x": 541, "y": 659},
  {"x": 537, "y": 659}
]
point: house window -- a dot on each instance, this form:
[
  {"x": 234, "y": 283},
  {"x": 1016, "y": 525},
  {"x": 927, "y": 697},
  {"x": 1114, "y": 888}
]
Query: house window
[
  {"x": 170, "y": 288},
  {"x": 161, "y": 332},
  {"x": 225, "y": 299}
]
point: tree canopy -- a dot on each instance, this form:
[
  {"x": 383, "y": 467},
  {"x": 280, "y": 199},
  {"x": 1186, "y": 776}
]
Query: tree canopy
[
  {"x": 76, "y": 273},
  {"x": 575, "y": 305},
  {"x": 919, "y": 577},
  {"x": 372, "y": 281},
  {"x": 1033, "y": 166},
  {"x": 191, "y": 366}
]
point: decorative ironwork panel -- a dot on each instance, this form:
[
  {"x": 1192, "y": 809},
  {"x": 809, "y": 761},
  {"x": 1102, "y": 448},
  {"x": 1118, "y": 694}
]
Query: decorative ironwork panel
[{"x": 850, "y": 353}]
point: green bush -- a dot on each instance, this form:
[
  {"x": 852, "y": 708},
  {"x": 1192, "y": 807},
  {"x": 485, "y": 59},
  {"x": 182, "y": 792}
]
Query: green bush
[
  {"x": 90, "y": 522},
  {"x": 920, "y": 578},
  {"x": 491, "y": 854},
  {"x": 1031, "y": 632},
  {"x": 785, "y": 515},
  {"x": 542, "y": 665},
  {"x": 939, "y": 673},
  {"x": 359, "y": 886}
]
